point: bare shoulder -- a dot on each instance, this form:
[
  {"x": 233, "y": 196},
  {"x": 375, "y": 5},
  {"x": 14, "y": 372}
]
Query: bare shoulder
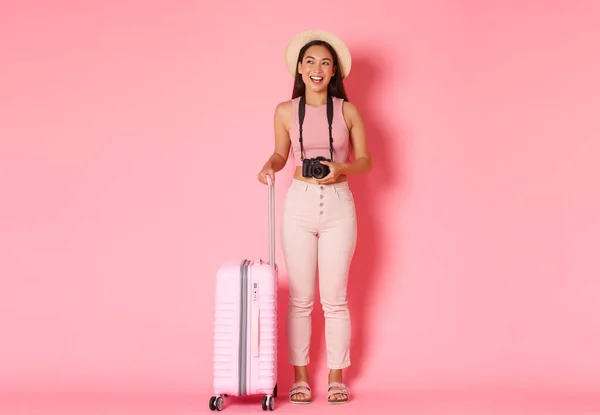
[
  {"x": 351, "y": 114},
  {"x": 284, "y": 109},
  {"x": 284, "y": 112}
]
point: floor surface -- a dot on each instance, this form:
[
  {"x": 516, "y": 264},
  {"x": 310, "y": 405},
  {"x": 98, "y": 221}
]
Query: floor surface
[{"x": 362, "y": 403}]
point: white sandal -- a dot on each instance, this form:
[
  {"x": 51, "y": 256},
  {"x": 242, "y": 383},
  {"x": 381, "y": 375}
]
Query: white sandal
[
  {"x": 296, "y": 389},
  {"x": 343, "y": 390}
]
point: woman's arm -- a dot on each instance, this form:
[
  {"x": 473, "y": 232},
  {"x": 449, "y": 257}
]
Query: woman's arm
[
  {"x": 277, "y": 161},
  {"x": 358, "y": 137}
]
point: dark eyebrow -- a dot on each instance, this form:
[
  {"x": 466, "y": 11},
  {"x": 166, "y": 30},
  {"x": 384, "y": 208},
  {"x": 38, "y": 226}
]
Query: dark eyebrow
[{"x": 312, "y": 57}]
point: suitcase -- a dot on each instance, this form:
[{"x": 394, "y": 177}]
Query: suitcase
[{"x": 245, "y": 326}]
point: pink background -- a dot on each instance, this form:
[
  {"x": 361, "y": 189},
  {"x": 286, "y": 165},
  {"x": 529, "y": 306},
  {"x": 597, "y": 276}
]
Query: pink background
[{"x": 131, "y": 134}]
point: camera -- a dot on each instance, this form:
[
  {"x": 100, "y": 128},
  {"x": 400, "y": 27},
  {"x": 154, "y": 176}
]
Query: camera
[{"x": 313, "y": 167}]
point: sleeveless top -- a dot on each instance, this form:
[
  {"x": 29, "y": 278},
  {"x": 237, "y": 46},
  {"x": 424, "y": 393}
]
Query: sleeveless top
[{"x": 315, "y": 132}]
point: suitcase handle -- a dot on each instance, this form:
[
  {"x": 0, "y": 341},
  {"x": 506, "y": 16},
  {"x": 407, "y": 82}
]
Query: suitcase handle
[{"x": 271, "y": 221}]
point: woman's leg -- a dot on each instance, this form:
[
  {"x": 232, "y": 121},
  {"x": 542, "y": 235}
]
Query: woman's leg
[
  {"x": 299, "y": 247},
  {"x": 337, "y": 242}
]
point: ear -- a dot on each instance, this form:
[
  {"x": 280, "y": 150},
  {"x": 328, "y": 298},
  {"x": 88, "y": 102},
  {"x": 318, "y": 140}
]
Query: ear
[{"x": 299, "y": 68}]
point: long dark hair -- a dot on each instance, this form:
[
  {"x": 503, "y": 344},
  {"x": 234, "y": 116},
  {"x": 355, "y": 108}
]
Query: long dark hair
[{"x": 336, "y": 84}]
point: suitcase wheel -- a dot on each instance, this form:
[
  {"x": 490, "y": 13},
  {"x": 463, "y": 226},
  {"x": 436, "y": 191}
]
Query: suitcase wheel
[
  {"x": 268, "y": 402},
  {"x": 216, "y": 402}
]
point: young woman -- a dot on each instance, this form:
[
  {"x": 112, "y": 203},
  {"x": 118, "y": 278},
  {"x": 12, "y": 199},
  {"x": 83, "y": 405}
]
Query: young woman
[{"x": 319, "y": 227}]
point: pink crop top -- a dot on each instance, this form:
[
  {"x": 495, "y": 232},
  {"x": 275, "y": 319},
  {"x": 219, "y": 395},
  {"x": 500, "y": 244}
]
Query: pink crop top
[{"x": 315, "y": 133}]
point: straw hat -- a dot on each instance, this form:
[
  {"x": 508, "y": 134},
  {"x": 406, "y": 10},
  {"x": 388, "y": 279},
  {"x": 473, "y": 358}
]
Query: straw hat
[{"x": 298, "y": 41}]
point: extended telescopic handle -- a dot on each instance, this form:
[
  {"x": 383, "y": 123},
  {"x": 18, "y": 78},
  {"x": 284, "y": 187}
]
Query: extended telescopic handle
[{"x": 271, "y": 221}]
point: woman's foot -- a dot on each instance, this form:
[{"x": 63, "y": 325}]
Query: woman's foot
[
  {"x": 337, "y": 392},
  {"x": 300, "y": 391}
]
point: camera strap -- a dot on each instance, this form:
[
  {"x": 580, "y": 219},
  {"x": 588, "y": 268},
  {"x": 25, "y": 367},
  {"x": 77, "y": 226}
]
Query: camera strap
[{"x": 302, "y": 112}]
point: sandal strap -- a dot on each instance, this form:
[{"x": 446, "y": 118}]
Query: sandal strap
[
  {"x": 295, "y": 389},
  {"x": 343, "y": 389}
]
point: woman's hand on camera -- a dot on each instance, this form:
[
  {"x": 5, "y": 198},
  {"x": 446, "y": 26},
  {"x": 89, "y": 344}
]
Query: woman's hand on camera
[
  {"x": 266, "y": 170},
  {"x": 335, "y": 170}
]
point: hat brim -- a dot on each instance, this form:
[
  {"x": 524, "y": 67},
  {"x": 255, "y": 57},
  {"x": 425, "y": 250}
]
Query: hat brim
[{"x": 298, "y": 41}]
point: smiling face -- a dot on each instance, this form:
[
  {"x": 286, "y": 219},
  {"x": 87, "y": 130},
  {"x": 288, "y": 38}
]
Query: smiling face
[{"x": 316, "y": 68}]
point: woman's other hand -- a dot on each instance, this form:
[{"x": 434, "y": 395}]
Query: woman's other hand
[{"x": 335, "y": 170}]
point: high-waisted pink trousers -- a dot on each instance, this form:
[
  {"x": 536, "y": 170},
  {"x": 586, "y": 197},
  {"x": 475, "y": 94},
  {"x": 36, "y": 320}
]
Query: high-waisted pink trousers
[{"x": 318, "y": 232}]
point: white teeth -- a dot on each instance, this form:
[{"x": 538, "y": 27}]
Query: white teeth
[{"x": 316, "y": 78}]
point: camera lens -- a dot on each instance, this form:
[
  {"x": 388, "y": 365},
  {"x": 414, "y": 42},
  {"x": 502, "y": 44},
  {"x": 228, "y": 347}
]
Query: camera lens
[{"x": 319, "y": 171}]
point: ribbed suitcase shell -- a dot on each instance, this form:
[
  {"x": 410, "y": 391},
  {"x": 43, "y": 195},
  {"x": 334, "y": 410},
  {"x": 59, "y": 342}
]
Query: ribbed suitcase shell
[{"x": 245, "y": 327}]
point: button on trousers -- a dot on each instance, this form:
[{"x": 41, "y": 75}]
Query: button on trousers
[{"x": 318, "y": 234}]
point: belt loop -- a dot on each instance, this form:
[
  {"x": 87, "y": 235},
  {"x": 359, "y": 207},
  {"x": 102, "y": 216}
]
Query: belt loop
[{"x": 305, "y": 187}]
